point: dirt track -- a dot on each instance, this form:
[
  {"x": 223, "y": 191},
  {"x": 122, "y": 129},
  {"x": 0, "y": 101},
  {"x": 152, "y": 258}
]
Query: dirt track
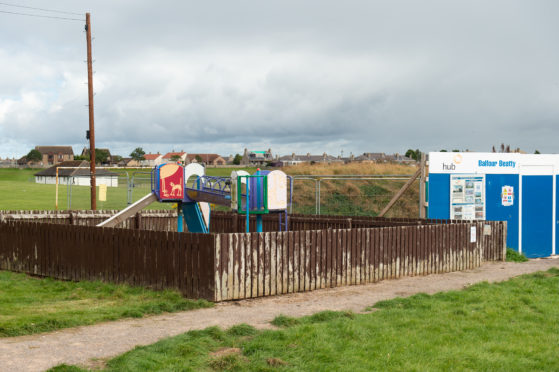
[{"x": 79, "y": 345}]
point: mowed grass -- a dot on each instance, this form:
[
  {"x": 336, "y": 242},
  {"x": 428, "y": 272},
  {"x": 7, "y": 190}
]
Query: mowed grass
[
  {"x": 18, "y": 191},
  {"x": 509, "y": 326},
  {"x": 32, "y": 305}
]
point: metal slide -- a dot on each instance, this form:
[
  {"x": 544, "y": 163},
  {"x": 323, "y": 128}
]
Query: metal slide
[
  {"x": 129, "y": 211},
  {"x": 195, "y": 219}
]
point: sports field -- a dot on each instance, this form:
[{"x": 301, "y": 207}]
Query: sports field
[{"x": 18, "y": 190}]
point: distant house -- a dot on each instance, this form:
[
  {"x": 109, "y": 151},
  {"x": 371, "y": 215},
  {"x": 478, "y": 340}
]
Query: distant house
[
  {"x": 402, "y": 159},
  {"x": 257, "y": 158},
  {"x": 75, "y": 172},
  {"x": 151, "y": 160},
  {"x": 181, "y": 156},
  {"x": 8, "y": 163},
  {"x": 208, "y": 159},
  {"x": 128, "y": 162},
  {"x": 377, "y": 157},
  {"x": 24, "y": 162},
  {"x": 55, "y": 154},
  {"x": 381, "y": 157},
  {"x": 295, "y": 159},
  {"x": 85, "y": 153}
]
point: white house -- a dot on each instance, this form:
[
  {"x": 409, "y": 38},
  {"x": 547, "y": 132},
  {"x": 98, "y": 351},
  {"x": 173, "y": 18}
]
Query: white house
[
  {"x": 76, "y": 173},
  {"x": 179, "y": 156},
  {"x": 151, "y": 160}
]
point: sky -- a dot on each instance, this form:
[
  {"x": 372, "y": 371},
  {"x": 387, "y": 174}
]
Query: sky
[{"x": 295, "y": 76}]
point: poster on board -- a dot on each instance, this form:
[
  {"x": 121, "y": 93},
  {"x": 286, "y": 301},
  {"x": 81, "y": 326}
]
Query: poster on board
[
  {"x": 467, "y": 197},
  {"x": 507, "y": 196}
]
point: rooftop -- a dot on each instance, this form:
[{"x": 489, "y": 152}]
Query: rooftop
[{"x": 51, "y": 150}]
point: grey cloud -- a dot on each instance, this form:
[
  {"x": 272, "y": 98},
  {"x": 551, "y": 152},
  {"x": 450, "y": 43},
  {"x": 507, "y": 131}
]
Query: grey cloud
[{"x": 294, "y": 76}]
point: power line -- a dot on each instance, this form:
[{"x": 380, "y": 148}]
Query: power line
[
  {"x": 41, "y": 16},
  {"x": 46, "y": 10}
]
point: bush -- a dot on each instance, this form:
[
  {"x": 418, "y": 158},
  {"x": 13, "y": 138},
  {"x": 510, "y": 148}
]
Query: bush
[{"x": 514, "y": 256}]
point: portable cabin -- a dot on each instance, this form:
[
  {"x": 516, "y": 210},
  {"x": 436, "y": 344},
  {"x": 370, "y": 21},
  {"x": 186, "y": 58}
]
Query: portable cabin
[{"x": 518, "y": 188}]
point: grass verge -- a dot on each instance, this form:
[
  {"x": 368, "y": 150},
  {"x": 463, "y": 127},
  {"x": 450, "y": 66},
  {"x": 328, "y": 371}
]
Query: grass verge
[
  {"x": 32, "y": 305},
  {"x": 508, "y": 326},
  {"x": 514, "y": 256}
]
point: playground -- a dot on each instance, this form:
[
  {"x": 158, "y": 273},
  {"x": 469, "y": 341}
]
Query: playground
[
  {"x": 254, "y": 250},
  {"x": 192, "y": 190},
  {"x": 251, "y": 254}
]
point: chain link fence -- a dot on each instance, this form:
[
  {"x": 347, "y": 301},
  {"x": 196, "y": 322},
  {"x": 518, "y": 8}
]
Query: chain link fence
[{"x": 353, "y": 195}]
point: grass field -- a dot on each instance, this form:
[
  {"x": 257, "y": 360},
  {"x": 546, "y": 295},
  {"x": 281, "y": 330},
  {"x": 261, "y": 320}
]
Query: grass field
[
  {"x": 32, "y": 305},
  {"x": 18, "y": 191},
  {"x": 508, "y": 326}
]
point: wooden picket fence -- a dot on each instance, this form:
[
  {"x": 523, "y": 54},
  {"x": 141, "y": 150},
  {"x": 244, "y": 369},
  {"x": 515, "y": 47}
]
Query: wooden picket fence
[
  {"x": 255, "y": 265},
  {"x": 156, "y": 220},
  {"x": 221, "y": 222},
  {"x": 155, "y": 259},
  {"x": 227, "y": 266}
]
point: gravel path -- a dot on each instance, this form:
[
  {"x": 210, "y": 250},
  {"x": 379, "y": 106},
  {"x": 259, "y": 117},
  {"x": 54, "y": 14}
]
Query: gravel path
[{"x": 82, "y": 344}]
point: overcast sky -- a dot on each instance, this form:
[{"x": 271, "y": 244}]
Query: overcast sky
[{"x": 294, "y": 76}]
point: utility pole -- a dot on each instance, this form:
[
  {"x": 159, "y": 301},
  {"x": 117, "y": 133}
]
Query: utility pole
[{"x": 91, "y": 122}]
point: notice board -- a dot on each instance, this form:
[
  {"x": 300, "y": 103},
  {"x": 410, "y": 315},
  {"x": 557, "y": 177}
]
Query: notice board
[{"x": 467, "y": 197}]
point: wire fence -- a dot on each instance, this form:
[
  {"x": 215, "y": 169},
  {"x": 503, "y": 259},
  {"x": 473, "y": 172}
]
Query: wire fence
[
  {"x": 319, "y": 195},
  {"x": 353, "y": 195},
  {"x": 130, "y": 187}
]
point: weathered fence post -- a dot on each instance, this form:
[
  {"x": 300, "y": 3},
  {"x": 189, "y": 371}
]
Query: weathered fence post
[
  {"x": 138, "y": 221},
  {"x": 235, "y": 223},
  {"x": 504, "y": 237}
]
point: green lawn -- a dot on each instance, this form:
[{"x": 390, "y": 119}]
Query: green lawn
[
  {"x": 18, "y": 191},
  {"x": 509, "y": 326},
  {"x": 32, "y": 305}
]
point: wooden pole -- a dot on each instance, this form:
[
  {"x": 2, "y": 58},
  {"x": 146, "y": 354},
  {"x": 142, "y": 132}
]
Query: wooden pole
[
  {"x": 91, "y": 121},
  {"x": 422, "y": 187}
]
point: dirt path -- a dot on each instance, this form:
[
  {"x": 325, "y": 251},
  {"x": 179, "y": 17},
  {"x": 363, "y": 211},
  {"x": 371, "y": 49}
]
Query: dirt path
[{"x": 79, "y": 345}]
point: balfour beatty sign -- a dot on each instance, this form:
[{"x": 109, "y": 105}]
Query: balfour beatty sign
[
  {"x": 500, "y": 163},
  {"x": 486, "y": 162}
]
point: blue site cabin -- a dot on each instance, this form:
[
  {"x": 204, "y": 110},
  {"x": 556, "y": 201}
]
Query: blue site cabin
[{"x": 518, "y": 188}]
